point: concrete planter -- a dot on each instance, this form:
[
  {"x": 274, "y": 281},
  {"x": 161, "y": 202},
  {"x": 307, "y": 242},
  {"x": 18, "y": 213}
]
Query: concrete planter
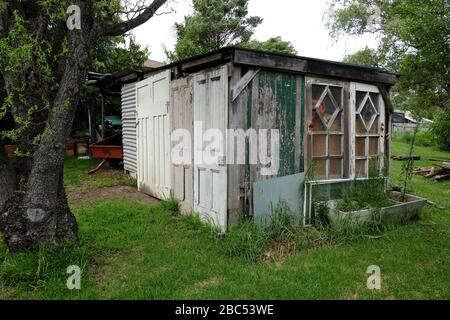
[{"x": 397, "y": 212}]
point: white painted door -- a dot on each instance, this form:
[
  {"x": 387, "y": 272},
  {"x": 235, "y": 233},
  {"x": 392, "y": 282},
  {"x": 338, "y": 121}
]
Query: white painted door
[
  {"x": 210, "y": 170},
  {"x": 181, "y": 117},
  {"x": 153, "y": 96},
  {"x": 368, "y": 129}
]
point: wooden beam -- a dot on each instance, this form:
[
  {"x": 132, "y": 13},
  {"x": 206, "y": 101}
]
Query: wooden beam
[
  {"x": 313, "y": 67},
  {"x": 202, "y": 61},
  {"x": 242, "y": 83}
]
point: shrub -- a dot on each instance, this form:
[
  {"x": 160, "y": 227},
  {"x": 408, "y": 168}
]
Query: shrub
[{"x": 441, "y": 128}]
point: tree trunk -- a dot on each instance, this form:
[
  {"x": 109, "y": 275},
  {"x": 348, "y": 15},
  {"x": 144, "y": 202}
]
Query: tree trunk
[{"x": 37, "y": 213}]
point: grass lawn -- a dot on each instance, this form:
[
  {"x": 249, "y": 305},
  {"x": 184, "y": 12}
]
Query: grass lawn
[{"x": 132, "y": 249}]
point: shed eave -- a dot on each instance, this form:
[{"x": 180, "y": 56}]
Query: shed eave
[{"x": 316, "y": 67}]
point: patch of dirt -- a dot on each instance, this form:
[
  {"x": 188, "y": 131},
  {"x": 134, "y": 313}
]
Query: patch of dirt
[
  {"x": 116, "y": 267},
  {"x": 109, "y": 193},
  {"x": 214, "y": 281}
]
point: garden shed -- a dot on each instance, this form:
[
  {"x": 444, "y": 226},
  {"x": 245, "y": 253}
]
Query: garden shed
[{"x": 332, "y": 121}]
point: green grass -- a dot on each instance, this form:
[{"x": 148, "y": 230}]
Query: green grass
[
  {"x": 135, "y": 251},
  {"x": 424, "y": 138},
  {"x": 75, "y": 175}
]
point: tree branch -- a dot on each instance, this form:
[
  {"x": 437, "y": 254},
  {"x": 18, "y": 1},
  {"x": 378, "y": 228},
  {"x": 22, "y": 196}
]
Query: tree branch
[{"x": 121, "y": 28}]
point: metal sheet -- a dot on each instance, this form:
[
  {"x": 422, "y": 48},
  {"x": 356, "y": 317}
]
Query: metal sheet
[
  {"x": 129, "y": 128},
  {"x": 270, "y": 194}
]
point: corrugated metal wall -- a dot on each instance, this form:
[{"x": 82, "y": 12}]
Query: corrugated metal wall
[{"x": 129, "y": 128}]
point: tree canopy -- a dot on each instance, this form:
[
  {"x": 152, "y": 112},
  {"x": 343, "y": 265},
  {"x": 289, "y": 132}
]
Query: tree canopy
[
  {"x": 364, "y": 57},
  {"x": 414, "y": 40},
  {"x": 214, "y": 24},
  {"x": 275, "y": 45}
]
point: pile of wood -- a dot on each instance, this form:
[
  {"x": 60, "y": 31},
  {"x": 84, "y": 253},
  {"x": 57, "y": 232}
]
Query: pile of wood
[{"x": 438, "y": 172}]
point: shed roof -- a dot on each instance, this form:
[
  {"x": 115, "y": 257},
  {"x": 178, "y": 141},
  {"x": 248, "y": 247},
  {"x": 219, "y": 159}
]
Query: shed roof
[{"x": 261, "y": 59}]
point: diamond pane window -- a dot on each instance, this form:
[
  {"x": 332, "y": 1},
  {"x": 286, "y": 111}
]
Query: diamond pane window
[
  {"x": 325, "y": 104},
  {"x": 368, "y": 111},
  {"x": 326, "y": 130},
  {"x": 366, "y": 106},
  {"x": 367, "y": 131}
]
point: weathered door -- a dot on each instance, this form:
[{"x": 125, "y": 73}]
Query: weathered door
[
  {"x": 327, "y": 128},
  {"x": 368, "y": 130},
  {"x": 181, "y": 116},
  {"x": 153, "y": 135},
  {"x": 210, "y": 177}
]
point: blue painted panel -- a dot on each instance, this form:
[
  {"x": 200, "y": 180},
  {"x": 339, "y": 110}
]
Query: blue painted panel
[{"x": 273, "y": 193}]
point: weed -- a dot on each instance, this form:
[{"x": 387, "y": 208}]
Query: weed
[
  {"x": 172, "y": 205},
  {"x": 246, "y": 240}
]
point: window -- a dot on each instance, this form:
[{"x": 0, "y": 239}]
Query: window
[
  {"x": 326, "y": 129},
  {"x": 367, "y": 130}
]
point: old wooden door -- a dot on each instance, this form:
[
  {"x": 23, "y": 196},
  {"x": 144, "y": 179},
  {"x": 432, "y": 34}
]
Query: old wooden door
[
  {"x": 153, "y": 139},
  {"x": 368, "y": 130},
  {"x": 210, "y": 179},
  {"x": 327, "y": 127},
  {"x": 181, "y": 115}
]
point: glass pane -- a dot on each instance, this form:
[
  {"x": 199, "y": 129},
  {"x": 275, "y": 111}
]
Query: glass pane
[
  {"x": 361, "y": 168},
  {"x": 360, "y": 147},
  {"x": 337, "y": 95},
  {"x": 374, "y": 129},
  {"x": 359, "y": 98},
  {"x": 326, "y": 109},
  {"x": 320, "y": 168},
  {"x": 335, "y": 168},
  {"x": 317, "y": 125},
  {"x": 368, "y": 112},
  {"x": 375, "y": 99},
  {"x": 317, "y": 91},
  {"x": 335, "y": 145},
  {"x": 373, "y": 146},
  {"x": 319, "y": 147},
  {"x": 337, "y": 124},
  {"x": 360, "y": 129},
  {"x": 374, "y": 167}
]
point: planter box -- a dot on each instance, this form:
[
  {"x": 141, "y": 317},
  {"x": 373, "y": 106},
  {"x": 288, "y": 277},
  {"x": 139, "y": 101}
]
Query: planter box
[{"x": 397, "y": 212}]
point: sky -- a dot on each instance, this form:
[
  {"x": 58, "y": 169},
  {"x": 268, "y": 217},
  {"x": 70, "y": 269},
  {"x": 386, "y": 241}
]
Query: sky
[{"x": 298, "y": 21}]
